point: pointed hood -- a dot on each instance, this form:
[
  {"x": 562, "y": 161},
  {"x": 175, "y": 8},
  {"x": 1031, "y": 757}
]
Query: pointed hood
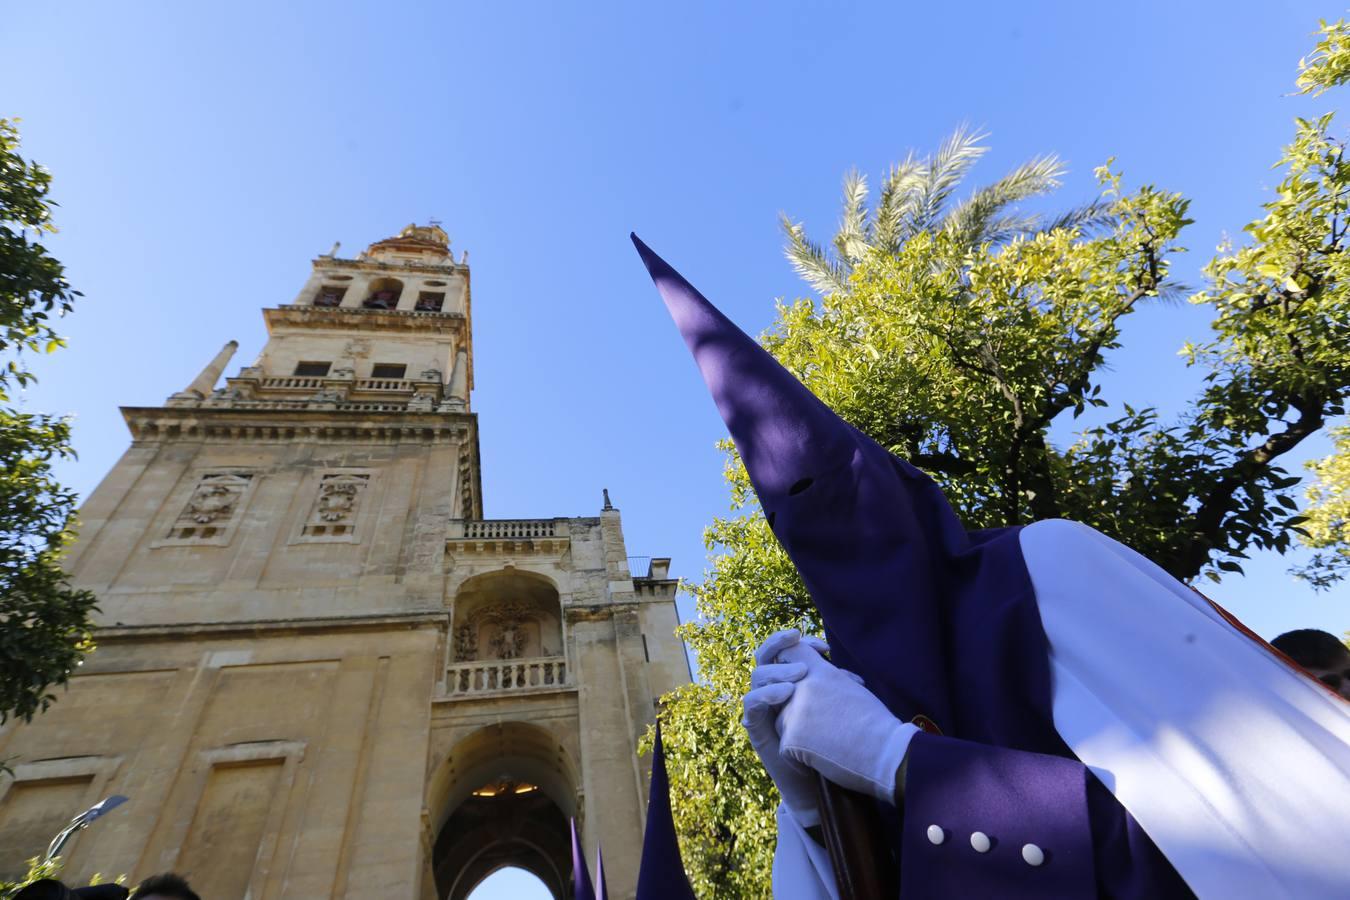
[
  {"x": 661, "y": 874},
  {"x": 910, "y": 600},
  {"x": 601, "y": 886},
  {"x": 582, "y": 889}
]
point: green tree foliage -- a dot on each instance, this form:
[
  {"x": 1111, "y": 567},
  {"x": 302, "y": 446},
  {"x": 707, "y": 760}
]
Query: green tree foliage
[
  {"x": 44, "y": 623},
  {"x": 37, "y": 870},
  {"x": 1328, "y": 525},
  {"x": 958, "y": 340}
]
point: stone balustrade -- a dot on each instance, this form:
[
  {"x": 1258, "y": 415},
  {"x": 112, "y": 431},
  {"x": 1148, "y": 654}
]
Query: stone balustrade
[
  {"x": 497, "y": 675},
  {"x": 496, "y": 529},
  {"x": 383, "y": 384},
  {"x": 291, "y": 383}
]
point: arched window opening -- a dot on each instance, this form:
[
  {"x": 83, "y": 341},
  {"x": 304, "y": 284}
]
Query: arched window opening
[
  {"x": 330, "y": 295},
  {"x": 384, "y": 294}
]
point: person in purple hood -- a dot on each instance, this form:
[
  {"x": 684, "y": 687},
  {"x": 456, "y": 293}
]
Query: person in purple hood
[{"x": 1092, "y": 727}]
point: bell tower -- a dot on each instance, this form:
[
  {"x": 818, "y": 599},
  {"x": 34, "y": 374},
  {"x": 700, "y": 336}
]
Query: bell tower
[{"x": 320, "y": 671}]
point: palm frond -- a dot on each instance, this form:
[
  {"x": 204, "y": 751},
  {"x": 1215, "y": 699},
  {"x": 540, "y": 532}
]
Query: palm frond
[
  {"x": 896, "y": 205},
  {"x": 1002, "y": 229},
  {"x": 973, "y": 221},
  {"x": 810, "y": 261},
  {"x": 942, "y": 173},
  {"x": 1090, "y": 218},
  {"x": 852, "y": 239}
]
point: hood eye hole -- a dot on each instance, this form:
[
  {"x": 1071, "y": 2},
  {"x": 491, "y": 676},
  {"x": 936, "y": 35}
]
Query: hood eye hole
[
  {"x": 770, "y": 518},
  {"x": 800, "y": 486}
]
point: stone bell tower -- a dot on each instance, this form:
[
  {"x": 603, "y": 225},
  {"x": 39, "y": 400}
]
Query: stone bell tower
[{"x": 320, "y": 671}]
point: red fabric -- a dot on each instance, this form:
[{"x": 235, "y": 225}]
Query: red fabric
[{"x": 1262, "y": 642}]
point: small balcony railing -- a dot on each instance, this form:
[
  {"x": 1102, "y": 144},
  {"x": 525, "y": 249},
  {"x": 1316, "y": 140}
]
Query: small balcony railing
[
  {"x": 498, "y": 675},
  {"x": 291, "y": 383},
  {"x": 383, "y": 384},
  {"x": 497, "y": 529}
]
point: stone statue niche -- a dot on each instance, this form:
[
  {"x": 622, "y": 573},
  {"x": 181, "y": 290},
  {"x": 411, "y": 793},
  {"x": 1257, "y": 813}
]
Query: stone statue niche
[
  {"x": 507, "y": 631},
  {"x": 506, "y": 616}
]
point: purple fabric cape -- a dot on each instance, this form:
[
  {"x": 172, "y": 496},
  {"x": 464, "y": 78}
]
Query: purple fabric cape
[{"x": 939, "y": 621}]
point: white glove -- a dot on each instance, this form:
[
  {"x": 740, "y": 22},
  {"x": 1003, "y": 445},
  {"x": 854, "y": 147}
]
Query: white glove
[
  {"x": 771, "y": 684},
  {"x": 832, "y": 724}
]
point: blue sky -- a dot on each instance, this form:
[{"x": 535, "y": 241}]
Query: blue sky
[{"x": 203, "y": 154}]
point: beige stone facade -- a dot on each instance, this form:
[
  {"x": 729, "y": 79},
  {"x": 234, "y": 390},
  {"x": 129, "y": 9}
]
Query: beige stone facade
[{"x": 321, "y": 673}]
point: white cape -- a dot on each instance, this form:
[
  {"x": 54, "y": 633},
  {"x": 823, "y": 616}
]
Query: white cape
[{"x": 1237, "y": 766}]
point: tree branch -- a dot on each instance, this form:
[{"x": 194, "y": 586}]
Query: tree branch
[{"x": 1208, "y": 522}]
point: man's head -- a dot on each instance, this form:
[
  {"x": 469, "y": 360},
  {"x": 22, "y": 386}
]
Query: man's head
[
  {"x": 1320, "y": 653},
  {"x": 167, "y": 886}
]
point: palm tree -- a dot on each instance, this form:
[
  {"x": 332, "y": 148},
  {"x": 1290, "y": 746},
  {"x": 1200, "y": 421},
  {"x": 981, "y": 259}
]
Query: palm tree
[{"x": 916, "y": 197}]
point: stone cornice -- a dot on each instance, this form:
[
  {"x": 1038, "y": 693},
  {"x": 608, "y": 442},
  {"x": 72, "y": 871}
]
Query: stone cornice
[
  {"x": 349, "y": 318},
  {"x": 598, "y": 612},
  {"x": 449, "y": 267},
  {"x": 162, "y": 423},
  {"x": 115, "y": 634}
]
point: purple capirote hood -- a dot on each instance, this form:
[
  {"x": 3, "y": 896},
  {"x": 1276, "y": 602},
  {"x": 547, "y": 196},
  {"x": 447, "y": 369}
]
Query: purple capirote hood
[
  {"x": 935, "y": 619},
  {"x": 661, "y": 873},
  {"x": 582, "y": 889}
]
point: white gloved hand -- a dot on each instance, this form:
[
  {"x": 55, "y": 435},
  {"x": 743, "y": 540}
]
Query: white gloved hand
[
  {"x": 834, "y": 725},
  {"x": 771, "y": 684}
]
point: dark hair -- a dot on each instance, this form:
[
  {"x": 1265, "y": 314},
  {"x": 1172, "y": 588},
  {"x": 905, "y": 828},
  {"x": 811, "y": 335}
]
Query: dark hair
[
  {"x": 166, "y": 884},
  {"x": 1310, "y": 647}
]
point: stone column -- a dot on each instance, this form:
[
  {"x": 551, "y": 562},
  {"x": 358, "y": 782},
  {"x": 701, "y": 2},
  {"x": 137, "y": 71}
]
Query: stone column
[
  {"x": 457, "y": 397},
  {"x": 306, "y": 295},
  {"x": 408, "y": 299},
  {"x": 204, "y": 383},
  {"x": 356, "y": 291}
]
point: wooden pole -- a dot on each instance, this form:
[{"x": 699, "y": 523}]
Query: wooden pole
[{"x": 855, "y": 837}]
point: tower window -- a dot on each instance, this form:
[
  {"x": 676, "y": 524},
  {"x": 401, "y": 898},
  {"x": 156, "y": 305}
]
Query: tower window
[
  {"x": 329, "y": 295},
  {"x": 312, "y": 369},
  {"x": 388, "y": 370},
  {"x": 384, "y": 294},
  {"x": 430, "y": 301}
]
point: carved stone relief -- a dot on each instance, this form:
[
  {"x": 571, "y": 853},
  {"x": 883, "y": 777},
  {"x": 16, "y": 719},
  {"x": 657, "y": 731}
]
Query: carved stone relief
[
  {"x": 212, "y": 507},
  {"x": 509, "y": 641},
  {"x": 335, "y": 509},
  {"x": 466, "y": 643},
  {"x": 508, "y": 630}
]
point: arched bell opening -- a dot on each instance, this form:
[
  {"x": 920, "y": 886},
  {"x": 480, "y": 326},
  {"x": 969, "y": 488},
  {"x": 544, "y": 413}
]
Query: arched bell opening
[
  {"x": 505, "y": 795},
  {"x": 384, "y": 294}
]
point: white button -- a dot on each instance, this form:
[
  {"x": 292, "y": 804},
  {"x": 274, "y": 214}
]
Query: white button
[
  {"x": 980, "y": 841},
  {"x": 936, "y": 835},
  {"x": 1032, "y": 854}
]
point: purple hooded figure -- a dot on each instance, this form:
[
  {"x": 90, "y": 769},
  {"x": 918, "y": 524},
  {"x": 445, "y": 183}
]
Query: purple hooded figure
[
  {"x": 582, "y": 889},
  {"x": 1069, "y": 690},
  {"x": 661, "y": 873}
]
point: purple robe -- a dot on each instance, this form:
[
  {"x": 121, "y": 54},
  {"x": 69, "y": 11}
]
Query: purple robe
[{"x": 940, "y": 622}]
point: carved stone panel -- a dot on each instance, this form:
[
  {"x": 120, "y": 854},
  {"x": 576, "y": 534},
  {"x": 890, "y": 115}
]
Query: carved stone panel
[
  {"x": 212, "y": 509},
  {"x": 507, "y": 630},
  {"x": 336, "y": 508}
]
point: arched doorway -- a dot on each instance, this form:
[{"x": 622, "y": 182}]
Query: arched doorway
[
  {"x": 510, "y": 883},
  {"x": 508, "y": 791}
]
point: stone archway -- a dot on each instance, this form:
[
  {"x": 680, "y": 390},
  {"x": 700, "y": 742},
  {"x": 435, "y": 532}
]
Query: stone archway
[{"x": 508, "y": 791}]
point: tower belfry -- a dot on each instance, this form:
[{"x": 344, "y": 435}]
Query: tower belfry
[{"x": 320, "y": 671}]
